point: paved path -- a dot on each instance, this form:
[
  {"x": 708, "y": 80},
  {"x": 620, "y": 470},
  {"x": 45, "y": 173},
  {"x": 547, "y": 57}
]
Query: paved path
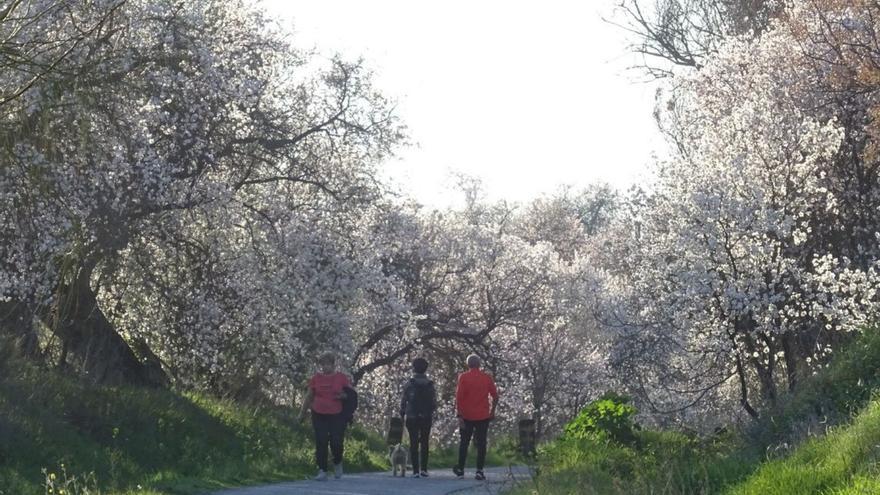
[{"x": 440, "y": 483}]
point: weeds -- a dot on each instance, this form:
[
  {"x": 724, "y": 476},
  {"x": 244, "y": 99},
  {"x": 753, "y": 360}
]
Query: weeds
[{"x": 62, "y": 483}]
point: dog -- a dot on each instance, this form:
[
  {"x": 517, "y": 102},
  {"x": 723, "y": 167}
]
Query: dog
[{"x": 399, "y": 457}]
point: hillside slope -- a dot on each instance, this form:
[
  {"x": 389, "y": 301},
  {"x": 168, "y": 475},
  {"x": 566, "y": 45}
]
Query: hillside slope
[
  {"x": 824, "y": 439},
  {"x": 846, "y": 461},
  {"x": 147, "y": 441}
]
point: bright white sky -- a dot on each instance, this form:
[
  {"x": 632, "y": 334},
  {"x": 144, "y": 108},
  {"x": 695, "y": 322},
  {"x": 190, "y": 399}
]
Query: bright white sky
[{"x": 526, "y": 96}]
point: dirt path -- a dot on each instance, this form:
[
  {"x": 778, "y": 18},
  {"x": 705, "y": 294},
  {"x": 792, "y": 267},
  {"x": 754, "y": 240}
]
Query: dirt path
[{"x": 440, "y": 483}]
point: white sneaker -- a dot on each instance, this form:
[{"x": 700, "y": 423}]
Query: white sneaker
[
  {"x": 337, "y": 470},
  {"x": 322, "y": 475}
]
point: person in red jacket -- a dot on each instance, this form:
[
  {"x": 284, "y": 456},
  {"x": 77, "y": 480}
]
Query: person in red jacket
[
  {"x": 324, "y": 399},
  {"x": 474, "y": 413}
]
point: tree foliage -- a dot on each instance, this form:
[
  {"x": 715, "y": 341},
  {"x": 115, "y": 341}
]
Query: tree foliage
[
  {"x": 688, "y": 33},
  {"x": 755, "y": 252}
]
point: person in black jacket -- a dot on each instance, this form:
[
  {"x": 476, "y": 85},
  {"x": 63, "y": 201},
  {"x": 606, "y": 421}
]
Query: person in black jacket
[{"x": 417, "y": 407}]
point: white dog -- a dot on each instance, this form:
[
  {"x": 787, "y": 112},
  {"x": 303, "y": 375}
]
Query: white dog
[{"x": 399, "y": 457}]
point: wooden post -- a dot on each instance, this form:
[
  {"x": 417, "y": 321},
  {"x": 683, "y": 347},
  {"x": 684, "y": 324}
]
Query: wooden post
[
  {"x": 527, "y": 436},
  {"x": 395, "y": 431}
]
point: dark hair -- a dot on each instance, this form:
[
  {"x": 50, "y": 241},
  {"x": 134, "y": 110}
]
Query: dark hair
[{"x": 420, "y": 365}]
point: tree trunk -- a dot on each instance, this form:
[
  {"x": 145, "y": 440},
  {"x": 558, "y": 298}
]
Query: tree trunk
[
  {"x": 744, "y": 389},
  {"x": 538, "y": 394},
  {"x": 792, "y": 357},
  {"x": 765, "y": 372},
  {"x": 93, "y": 346}
]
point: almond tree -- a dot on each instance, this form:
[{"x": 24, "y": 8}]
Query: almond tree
[
  {"x": 176, "y": 116},
  {"x": 671, "y": 34},
  {"x": 505, "y": 281},
  {"x": 756, "y": 247}
]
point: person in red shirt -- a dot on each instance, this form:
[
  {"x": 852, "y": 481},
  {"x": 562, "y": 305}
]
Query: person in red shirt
[
  {"x": 474, "y": 413},
  {"x": 324, "y": 399}
]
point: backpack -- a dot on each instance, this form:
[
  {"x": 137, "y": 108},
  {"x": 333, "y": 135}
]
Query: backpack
[
  {"x": 349, "y": 404},
  {"x": 421, "y": 398}
]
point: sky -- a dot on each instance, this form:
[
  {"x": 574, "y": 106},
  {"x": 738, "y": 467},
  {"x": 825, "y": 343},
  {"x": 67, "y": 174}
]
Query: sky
[{"x": 525, "y": 96}]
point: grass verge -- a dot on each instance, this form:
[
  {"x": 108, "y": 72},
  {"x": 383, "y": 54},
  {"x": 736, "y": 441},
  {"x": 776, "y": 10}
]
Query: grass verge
[
  {"x": 831, "y": 425},
  {"x": 132, "y": 440}
]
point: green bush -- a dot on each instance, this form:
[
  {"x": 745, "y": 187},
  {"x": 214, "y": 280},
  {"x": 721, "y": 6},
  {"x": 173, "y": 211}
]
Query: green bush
[{"x": 609, "y": 415}]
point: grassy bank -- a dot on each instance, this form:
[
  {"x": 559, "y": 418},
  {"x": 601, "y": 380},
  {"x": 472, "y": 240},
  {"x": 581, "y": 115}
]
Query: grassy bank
[
  {"x": 657, "y": 463},
  {"x": 148, "y": 441},
  {"x": 846, "y": 461},
  {"x": 825, "y": 439}
]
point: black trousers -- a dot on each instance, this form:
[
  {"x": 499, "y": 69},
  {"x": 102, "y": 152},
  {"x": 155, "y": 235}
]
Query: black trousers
[
  {"x": 419, "y": 431},
  {"x": 329, "y": 428},
  {"x": 479, "y": 431}
]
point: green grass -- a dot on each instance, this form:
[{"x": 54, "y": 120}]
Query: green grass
[
  {"x": 830, "y": 397},
  {"x": 845, "y": 461},
  {"x": 153, "y": 441},
  {"x": 158, "y": 440},
  {"x": 656, "y": 463}
]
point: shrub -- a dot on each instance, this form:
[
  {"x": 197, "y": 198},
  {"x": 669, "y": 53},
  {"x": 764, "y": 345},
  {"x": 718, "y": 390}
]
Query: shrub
[{"x": 609, "y": 415}]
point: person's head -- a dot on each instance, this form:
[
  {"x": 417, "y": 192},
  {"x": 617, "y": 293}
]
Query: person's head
[
  {"x": 473, "y": 361},
  {"x": 420, "y": 365},
  {"x": 327, "y": 362}
]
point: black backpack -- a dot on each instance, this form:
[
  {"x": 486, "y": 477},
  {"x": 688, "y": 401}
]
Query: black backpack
[
  {"x": 421, "y": 398},
  {"x": 349, "y": 404}
]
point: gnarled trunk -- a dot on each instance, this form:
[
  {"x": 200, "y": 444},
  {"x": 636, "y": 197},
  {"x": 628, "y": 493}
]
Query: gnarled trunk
[{"x": 90, "y": 342}]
